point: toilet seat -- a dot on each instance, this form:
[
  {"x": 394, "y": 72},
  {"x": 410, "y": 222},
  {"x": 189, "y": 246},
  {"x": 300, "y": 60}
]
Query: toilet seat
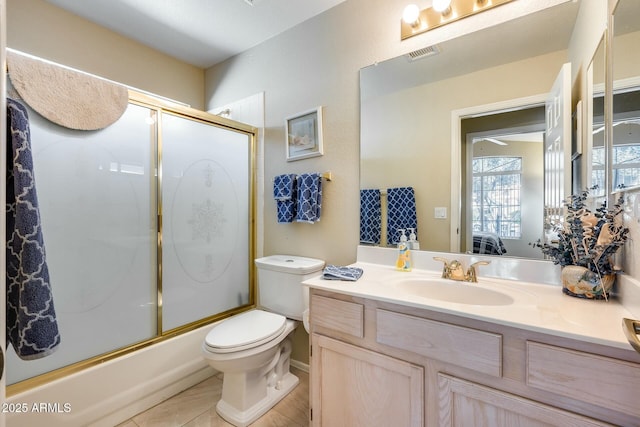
[{"x": 244, "y": 331}]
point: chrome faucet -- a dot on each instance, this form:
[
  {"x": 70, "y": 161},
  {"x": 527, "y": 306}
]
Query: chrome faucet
[{"x": 453, "y": 270}]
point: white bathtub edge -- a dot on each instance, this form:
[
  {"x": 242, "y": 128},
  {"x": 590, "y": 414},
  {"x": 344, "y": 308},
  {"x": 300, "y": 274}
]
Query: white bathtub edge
[
  {"x": 115, "y": 391},
  {"x": 132, "y": 402}
]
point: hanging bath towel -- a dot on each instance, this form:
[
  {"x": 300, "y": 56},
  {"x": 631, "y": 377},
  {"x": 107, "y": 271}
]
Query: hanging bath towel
[
  {"x": 401, "y": 212},
  {"x": 284, "y": 193},
  {"x": 309, "y": 197},
  {"x": 370, "y": 216},
  {"x": 32, "y": 328}
]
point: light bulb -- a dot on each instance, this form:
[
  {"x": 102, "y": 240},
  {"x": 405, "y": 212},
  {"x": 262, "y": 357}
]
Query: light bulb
[
  {"x": 411, "y": 14},
  {"x": 441, "y": 5}
]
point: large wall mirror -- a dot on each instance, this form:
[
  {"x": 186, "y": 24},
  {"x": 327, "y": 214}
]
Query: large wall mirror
[
  {"x": 594, "y": 173},
  {"x": 625, "y": 152},
  {"x": 501, "y": 76}
]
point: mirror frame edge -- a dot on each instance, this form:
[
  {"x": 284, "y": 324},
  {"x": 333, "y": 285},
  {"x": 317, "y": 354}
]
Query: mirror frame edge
[{"x": 608, "y": 101}]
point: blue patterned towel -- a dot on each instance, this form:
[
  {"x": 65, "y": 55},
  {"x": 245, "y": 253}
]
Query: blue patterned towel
[
  {"x": 284, "y": 187},
  {"x": 333, "y": 272},
  {"x": 370, "y": 216},
  {"x": 32, "y": 327},
  {"x": 286, "y": 210},
  {"x": 309, "y": 197},
  {"x": 401, "y": 213},
  {"x": 284, "y": 192}
]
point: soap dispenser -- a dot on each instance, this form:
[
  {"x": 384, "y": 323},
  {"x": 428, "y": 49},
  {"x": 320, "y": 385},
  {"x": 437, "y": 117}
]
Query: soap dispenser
[
  {"x": 403, "y": 263},
  {"x": 413, "y": 242}
]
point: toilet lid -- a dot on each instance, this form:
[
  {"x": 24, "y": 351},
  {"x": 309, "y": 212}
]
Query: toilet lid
[{"x": 251, "y": 327}]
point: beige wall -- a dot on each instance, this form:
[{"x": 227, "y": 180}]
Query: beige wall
[
  {"x": 41, "y": 29},
  {"x": 625, "y": 56},
  {"x": 588, "y": 31}
]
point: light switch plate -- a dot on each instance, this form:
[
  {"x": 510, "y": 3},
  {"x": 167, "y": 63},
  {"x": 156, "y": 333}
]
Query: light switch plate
[{"x": 440, "y": 213}]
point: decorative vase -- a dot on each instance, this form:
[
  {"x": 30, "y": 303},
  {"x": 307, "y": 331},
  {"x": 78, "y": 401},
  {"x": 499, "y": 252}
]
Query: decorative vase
[{"x": 583, "y": 283}]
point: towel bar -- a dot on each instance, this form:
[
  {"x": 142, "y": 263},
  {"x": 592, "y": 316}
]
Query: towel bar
[{"x": 327, "y": 176}]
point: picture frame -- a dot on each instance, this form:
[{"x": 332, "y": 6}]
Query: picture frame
[{"x": 303, "y": 132}]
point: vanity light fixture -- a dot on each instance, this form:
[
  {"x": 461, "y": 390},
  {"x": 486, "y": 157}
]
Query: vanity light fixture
[
  {"x": 415, "y": 21},
  {"x": 442, "y": 6},
  {"x": 411, "y": 15}
]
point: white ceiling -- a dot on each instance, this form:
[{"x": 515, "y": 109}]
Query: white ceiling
[{"x": 199, "y": 32}]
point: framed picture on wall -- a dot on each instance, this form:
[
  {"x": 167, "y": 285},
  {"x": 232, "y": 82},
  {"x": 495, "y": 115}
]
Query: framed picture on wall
[{"x": 304, "y": 135}]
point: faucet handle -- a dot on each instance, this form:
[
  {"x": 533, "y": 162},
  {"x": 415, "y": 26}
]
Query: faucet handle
[
  {"x": 437, "y": 258},
  {"x": 452, "y": 269},
  {"x": 445, "y": 270},
  {"x": 472, "y": 275}
]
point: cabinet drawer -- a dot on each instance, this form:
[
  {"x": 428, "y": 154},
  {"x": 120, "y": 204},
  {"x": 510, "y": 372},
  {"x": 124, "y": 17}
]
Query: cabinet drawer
[
  {"x": 341, "y": 316},
  {"x": 587, "y": 377},
  {"x": 473, "y": 349}
]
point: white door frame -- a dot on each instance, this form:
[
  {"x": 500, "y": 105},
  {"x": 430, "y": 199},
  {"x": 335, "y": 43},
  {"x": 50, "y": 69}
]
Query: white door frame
[
  {"x": 3, "y": 190},
  {"x": 456, "y": 151}
]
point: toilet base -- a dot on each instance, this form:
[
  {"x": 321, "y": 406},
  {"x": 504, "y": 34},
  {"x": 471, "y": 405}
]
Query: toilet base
[{"x": 246, "y": 417}]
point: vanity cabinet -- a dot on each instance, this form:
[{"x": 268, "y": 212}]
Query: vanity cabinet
[
  {"x": 375, "y": 363},
  {"x": 347, "y": 378},
  {"x": 359, "y": 387}
]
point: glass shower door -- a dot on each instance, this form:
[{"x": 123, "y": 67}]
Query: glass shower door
[
  {"x": 206, "y": 220},
  {"x": 96, "y": 192}
]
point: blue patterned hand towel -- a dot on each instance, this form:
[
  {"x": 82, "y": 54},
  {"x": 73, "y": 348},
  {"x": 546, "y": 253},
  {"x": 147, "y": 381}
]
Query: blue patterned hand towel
[
  {"x": 309, "y": 197},
  {"x": 334, "y": 272},
  {"x": 401, "y": 212},
  {"x": 32, "y": 328},
  {"x": 284, "y": 187},
  {"x": 370, "y": 216},
  {"x": 284, "y": 193}
]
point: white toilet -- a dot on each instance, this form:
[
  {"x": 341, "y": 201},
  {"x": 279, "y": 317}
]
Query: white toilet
[{"x": 253, "y": 348}]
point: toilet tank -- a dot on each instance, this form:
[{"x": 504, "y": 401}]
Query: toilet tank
[{"x": 280, "y": 280}]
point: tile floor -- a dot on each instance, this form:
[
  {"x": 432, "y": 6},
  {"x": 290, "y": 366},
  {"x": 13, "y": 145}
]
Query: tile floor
[{"x": 195, "y": 407}]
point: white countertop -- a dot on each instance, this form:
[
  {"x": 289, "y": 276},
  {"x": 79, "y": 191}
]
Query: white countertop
[{"x": 536, "y": 307}]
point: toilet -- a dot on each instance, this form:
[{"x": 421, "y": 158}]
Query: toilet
[{"x": 253, "y": 348}]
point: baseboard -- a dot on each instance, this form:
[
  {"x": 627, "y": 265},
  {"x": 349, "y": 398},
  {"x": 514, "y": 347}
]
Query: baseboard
[{"x": 300, "y": 365}]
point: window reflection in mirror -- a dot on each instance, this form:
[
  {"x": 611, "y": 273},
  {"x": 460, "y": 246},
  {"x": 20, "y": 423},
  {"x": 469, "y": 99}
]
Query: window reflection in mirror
[
  {"x": 595, "y": 172},
  {"x": 503, "y": 183}
]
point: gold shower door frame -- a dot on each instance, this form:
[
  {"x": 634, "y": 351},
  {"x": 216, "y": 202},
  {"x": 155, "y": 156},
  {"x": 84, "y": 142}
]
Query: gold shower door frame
[{"x": 158, "y": 107}]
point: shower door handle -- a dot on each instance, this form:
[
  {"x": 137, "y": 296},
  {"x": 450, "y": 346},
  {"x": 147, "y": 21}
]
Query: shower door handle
[{"x": 1, "y": 363}]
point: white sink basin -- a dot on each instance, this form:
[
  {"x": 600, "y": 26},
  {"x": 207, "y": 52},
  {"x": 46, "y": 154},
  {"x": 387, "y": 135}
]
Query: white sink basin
[{"x": 452, "y": 291}]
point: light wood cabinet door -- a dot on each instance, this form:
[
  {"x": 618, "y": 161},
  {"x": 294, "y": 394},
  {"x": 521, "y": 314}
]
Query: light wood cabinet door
[
  {"x": 463, "y": 403},
  {"x": 352, "y": 387}
]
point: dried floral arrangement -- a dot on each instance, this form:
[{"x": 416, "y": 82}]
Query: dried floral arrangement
[{"x": 587, "y": 239}]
